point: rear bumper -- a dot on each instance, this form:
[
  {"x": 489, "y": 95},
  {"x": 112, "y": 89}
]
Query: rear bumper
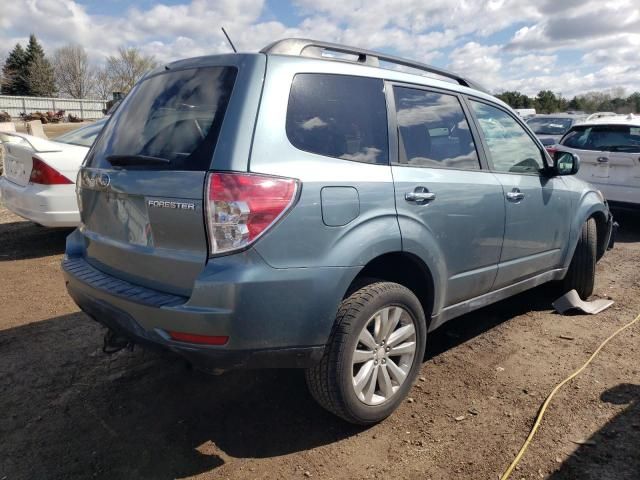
[
  {"x": 209, "y": 359},
  {"x": 47, "y": 205},
  {"x": 273, "y": 317}
]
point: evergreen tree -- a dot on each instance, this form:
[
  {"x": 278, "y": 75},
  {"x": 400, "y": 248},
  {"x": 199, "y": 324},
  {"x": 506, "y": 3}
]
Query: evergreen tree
[
  {"x": 515, "y": 99},
  {"x": 39, "y": 72},
  {"x": 41, "y": 78},
  {"x": 575, "y": 104},
  {"x": 546, "y": 102},
  {"x": 14, "y": 72},
  {"x": 634, "y": 102}
]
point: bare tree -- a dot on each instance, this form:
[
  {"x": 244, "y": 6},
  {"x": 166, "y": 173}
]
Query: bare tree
[
  {"x": 103, "y": 86},
  {"x": 74, "y": 74},
  {"x": 127, "y": 67}
]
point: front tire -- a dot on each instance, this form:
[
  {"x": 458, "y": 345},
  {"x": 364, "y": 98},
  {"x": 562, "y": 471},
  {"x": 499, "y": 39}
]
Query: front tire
[
  {"x": 582, "y": 270},
  {"x": 373, "y": 356}
]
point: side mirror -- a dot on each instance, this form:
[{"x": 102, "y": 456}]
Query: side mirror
[{"x": 565, "y": 163}]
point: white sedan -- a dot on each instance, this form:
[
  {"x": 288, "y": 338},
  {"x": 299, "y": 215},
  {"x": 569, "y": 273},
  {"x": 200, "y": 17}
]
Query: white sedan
[
  {"x": 38, "y": 178},
  {"x": 609, "y": 151}
]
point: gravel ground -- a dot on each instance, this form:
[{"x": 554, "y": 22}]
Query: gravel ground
[{"x": 69, "y": 411}]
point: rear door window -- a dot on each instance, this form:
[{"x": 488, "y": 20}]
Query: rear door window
[
  {"x": 604, "y": 138},
  {"x": 433, "y": 130},
  {"x": 339, "y": 116},
  {"x": 168, "y": 121}
]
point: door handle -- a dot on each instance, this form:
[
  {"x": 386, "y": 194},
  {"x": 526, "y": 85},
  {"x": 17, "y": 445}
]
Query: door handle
[
  {"x": 515, "y": 195},
  {"x": 420, "y": 195},
  {"x": 603, "y": 159}
]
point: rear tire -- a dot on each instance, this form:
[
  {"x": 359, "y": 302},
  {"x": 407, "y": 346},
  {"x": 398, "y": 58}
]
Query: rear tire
[
  {"x": 373, "y": 355},
  {"x": 582, "y": 270}
]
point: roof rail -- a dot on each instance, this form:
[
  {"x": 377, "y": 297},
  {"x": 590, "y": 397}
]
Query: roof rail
[
  {"x": 595, "y": 115},
  {"x": 313, "y": 48}
]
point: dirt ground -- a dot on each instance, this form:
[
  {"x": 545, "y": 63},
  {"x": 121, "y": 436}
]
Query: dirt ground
[{"x": 68, "y": 411}]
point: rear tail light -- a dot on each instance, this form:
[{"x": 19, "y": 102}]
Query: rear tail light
[
  {"x": 552, "y": 150},
  {"x": 46, "y": 175},
  {"x": 240, "y": 207}
]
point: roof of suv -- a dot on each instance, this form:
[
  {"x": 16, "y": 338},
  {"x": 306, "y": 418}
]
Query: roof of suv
[
  {"x": 629, "y": 119},
  {"x": 353, "y": 59},
  {"x": 331, "y": 51},
  {"x": 559, "y": 115}
]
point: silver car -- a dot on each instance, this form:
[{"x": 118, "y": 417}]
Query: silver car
[
  {"x": 550, "y": 128},
  {"x": 304, "y": 207}
]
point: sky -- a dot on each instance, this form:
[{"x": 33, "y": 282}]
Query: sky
[{"x": 567, "y": 46}]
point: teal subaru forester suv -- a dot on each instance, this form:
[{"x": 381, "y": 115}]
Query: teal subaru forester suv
[{"x": 305, "y": 207}]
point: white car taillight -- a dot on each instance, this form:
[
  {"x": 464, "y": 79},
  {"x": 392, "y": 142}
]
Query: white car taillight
[
  {"x": 45, "y": 174},
  {"x": 240, "y": 207}
]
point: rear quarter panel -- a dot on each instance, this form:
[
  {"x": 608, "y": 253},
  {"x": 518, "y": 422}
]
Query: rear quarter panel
[{"x": 302, "y": 238}]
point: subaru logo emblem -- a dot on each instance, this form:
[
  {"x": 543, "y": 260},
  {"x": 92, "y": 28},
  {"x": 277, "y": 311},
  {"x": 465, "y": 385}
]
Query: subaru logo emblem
[{"x": 103, "y": 180}]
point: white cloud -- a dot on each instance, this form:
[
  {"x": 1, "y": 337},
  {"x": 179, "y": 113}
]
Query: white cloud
[
  {"x": 586, "y": 24},
  {"x": 568, "y": 46},
  {"x": 480, "y": 62},
  {"x": 544, "y": 64}
]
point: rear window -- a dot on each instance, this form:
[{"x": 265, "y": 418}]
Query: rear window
[
  {"x": 549, "y": 126},
  {"x": 339, "y": 116},
  {"x": 168, "y": 121},
  {"x": 604, "y": 138}
]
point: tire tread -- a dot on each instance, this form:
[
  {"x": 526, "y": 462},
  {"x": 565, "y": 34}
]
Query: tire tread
[
  {"x": 581, "y": 273},
  {"x": 322, "y": 378}
]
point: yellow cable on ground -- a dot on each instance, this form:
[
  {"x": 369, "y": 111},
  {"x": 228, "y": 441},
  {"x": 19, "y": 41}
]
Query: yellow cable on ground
[{"x": 543, "y": 409}]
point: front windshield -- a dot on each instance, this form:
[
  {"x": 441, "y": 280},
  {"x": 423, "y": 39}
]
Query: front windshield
[
  {"x": 83, "y": 136},
  {"x": 549, "y": 125}
]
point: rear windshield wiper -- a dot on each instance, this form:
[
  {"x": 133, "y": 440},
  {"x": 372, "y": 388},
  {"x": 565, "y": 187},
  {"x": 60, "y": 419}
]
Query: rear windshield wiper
[{"x": 122, "y": 160}]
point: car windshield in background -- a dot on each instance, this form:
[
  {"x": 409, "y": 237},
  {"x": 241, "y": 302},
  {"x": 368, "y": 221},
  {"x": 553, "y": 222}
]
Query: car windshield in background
[
  {"x": 83, "y": 136},
  {"x": 549, "y": 126},
  {"x": 173, "y": 117},
  {"x": 607, "y": 138}
]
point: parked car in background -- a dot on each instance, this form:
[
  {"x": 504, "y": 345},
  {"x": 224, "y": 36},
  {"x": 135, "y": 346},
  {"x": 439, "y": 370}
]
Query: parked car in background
[
  {"x": 21, "y": 139},
  {"x": 609, "y": 150},
  {"x": 596, "y": 115},
  {"x": 525, "y": 112},
  {"x": 351, "y": 217},
  {"x": 550, "y": 128},
  {"x": 38, "y": 179}
]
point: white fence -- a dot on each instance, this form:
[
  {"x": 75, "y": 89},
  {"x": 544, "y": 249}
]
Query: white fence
[{"x": 83, "y": 108}]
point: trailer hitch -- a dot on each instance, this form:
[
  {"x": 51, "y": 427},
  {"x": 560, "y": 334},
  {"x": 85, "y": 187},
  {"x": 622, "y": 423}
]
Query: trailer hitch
[{"x": 114, "y": 342}]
